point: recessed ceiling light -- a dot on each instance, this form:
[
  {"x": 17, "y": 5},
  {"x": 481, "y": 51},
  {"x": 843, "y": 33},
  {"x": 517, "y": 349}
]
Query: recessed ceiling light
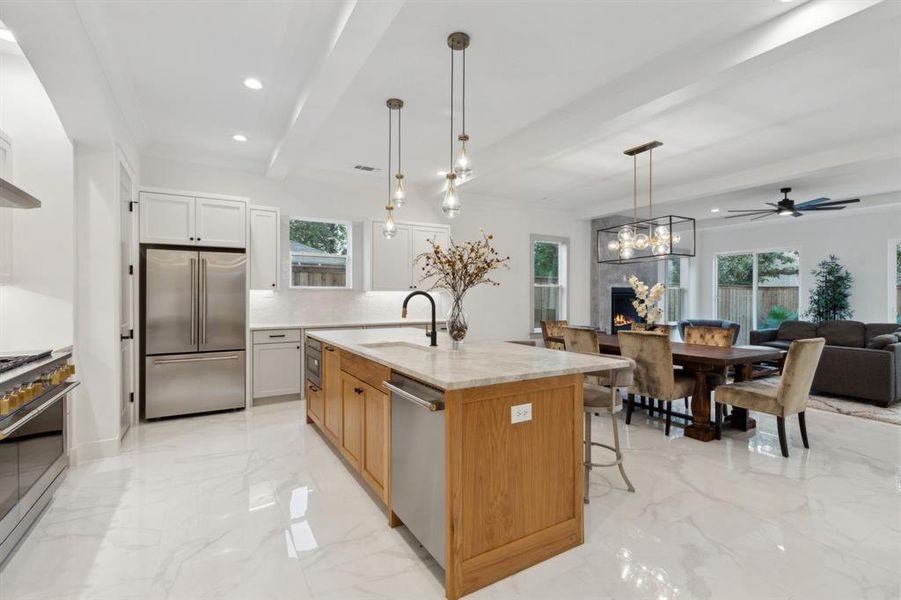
[
  {"x": 253, "y": 83},
  {"x": 714, "y": 210},
  {"x": 441, "y": 173},
  {"x": 239, "y": 137},
  {"x": 6, "y": 34}
]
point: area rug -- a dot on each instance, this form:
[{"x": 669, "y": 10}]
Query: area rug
[{"x": 843, "y": 406}]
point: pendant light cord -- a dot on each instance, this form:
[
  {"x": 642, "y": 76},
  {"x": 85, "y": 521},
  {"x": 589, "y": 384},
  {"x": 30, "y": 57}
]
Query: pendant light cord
[
  {"x": 399, "y": 169},
  {"x": 634, "y": 188},
  {"x": 452, "y": 114},
  {"x": 389, "y": 158},
  {"x": 464, "y": 91},
  {"x": 650, "y": 184}
]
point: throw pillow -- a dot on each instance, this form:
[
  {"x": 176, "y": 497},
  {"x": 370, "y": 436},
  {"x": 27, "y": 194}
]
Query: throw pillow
[{"x": 881, "y": 341}]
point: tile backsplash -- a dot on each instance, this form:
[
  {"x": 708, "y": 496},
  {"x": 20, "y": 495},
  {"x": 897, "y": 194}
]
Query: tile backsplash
[{"x": 337, "y": 306}]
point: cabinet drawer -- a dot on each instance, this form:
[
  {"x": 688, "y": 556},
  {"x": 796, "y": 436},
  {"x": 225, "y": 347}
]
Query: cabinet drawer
[
  {"x": 273, "y": 336},
  {"x": 365, "y": 370}
]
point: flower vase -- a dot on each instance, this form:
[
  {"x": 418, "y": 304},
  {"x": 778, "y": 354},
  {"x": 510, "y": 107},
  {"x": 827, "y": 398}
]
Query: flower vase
[{"x": 457, "y": 322}]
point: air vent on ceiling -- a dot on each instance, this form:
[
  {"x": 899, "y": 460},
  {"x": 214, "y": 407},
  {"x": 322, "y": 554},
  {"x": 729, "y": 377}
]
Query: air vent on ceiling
[{"x": 365, "y": 168}]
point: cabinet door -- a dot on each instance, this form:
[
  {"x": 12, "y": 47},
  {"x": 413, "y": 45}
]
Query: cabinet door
[
  {"x": 221, "y": 222},
  {"x": 420, "y": 244},
  {"x": 315, "y": 403},
  {"x": 376, "y": 440},
  {"x": 276, "y": 369},
  {"x": 263, "y": 249},
  {"x": 391, "y": 263},
  {"x": 332, "y": 392},
  {"x": 166, "y": 219},
  {"x": 353, "y": 396}
]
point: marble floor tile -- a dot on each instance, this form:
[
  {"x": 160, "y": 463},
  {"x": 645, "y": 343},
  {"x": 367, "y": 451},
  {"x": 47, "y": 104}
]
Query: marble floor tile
[{"x": 255, "y": 504}]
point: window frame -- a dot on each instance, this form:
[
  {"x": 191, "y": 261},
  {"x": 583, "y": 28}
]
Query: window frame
[
  {"x": 348, "y": 267},
  {"x": 894, "y": 306},
  {"x": 754, "y": 279},
  {"x": 684, "y": 285},
  {"x": 562, "y": 276}
]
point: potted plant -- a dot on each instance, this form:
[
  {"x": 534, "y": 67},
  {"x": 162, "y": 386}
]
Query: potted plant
[
  {"x": 830, "y": 298},
  {"x": 458, "y": 268}
]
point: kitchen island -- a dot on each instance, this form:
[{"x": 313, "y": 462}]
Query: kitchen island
[{"x": 504, "y": 440}]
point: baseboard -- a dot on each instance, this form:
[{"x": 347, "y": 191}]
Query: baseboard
[{"x": 94, "y": 450}]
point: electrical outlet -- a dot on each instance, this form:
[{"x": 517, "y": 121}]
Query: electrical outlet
[{"x": 521, "y": 413}]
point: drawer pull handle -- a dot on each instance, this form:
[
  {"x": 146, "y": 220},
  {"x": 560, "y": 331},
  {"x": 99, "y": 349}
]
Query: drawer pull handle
[
  {"x": 329, "y": 348},
  {"x": 280, "y": 335}
]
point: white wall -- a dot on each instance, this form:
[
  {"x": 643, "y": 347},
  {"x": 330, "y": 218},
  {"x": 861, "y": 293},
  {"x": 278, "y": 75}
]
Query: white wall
[
  {"x": 495, "y": 312},
  {"x": 859, "y": 238},
  {"x": 36, "y": 307}
]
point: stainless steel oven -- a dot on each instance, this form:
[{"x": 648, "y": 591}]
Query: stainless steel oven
[{"x": 313, "y": 362}]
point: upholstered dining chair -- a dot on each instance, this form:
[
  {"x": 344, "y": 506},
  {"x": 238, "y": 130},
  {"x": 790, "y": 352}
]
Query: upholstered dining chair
[
  {"x": 555, "y": 329},
  {"x": 657, "y": 328},
  {"x": 654, "y": 376},
  {"x": 706, "y": 335},
  {"x": 600, "y": 398},
  {"x": 585, "y": 340},
  {"x": 787, "y": 398},
  {"x": 735, "y": 328}
]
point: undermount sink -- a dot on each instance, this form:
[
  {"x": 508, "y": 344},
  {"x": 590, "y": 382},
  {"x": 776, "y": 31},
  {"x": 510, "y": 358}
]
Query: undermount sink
[{"x": 377, "y": 345}]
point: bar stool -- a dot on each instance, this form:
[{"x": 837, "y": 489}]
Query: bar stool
[{"x": 597, "y": 399}]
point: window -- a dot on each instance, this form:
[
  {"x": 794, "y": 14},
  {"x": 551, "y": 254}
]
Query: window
[
  {"x": 758, "y": 290},
  {"x": 675, "y": 277},
  {"x": 320, "y": 253},
  {"x": 898, "y": 283},
  {"x": 549, "y": 273}
]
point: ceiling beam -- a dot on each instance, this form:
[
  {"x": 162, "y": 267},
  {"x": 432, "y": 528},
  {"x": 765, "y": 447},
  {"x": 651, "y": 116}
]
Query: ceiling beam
[{"x": 357, "y": 30}]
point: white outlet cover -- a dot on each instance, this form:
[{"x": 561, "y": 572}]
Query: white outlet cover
[{"x": 521, "y": 413}]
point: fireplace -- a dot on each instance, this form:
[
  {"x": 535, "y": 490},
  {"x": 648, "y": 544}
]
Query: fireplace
[{"x": 622, "y": 313}]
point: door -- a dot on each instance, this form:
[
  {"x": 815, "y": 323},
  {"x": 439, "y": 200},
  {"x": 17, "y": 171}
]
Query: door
[
  {"x": 332, "y": 391},
  {"x": 352, "y": 420},
  {"x": 420, "y": 245},
  {"x": 126, "y": 289},
  {"x": 391, "y": 262},
  {"x": 222, "y": 295},
  {"x": 221, "y": 222},
  {"x": 263, "y": 249},
  {"x": 170, "y": 293},
  {"x": 276, "y": 369},
  {"x": 376, "y": 433},
  {"x": 315, "y": 403},
  {"x": 179, "y": 384},
  {"x": 166, "y": 219}
]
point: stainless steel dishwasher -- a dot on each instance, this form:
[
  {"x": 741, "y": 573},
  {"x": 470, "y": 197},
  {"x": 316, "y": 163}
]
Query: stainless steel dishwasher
[{"x": 417, "y": 460}]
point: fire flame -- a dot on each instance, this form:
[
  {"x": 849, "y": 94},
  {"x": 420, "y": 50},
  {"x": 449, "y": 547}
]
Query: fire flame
[{"x": 621, "y": 320}]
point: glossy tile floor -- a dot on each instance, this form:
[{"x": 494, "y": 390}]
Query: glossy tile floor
[{"x": 255, "y": 505}]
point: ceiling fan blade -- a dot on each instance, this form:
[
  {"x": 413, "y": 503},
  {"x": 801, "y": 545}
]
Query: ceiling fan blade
[
  {"x": 817, "y": 208},
  {"x": 813, "y": 202},
  {"x": 769, "y": 214},
  {"x": 749, "y": 215},
  {"x": 773, "y": 204},
  {"x": 753, "y": 210},
  {"x": 834, "y": 203},
  {"x": 796, "y": 214}
]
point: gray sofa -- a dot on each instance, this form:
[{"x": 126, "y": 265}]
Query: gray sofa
[{"x": 848, "y": 367}]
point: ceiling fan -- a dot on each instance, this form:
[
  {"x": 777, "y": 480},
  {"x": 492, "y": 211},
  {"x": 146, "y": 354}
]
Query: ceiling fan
[{"x": 786, "y": 207}]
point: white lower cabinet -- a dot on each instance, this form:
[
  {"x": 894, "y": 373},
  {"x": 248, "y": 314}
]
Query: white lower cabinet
[{"x": 276, "y": 369}]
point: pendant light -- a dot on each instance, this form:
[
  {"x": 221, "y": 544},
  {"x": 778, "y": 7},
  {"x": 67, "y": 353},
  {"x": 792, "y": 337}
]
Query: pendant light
[
  {"x": 654, "y": 238},
  {"x": 463, "y": 165},
  {"x": 389, "y": 229},
  {"x": 461, "y": 168}
]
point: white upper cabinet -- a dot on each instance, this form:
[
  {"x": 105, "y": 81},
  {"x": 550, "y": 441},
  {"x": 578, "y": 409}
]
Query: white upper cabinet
[
  {"x": 392, "y": 260},
  {"x": 220, "y": 222},
  {"x": 193, "y": 221},
  {"x": 264, "y": 233},
  {"x": 166, "y": 218}
]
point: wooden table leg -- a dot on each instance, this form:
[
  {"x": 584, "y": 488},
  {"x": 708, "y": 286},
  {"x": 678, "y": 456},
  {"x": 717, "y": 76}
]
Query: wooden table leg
[
  {"x": 739, "y": 418},
  {"x": 701, "y": 428}
]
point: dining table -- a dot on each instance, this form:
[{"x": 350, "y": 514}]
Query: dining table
[{"x": 701, "y": 361}]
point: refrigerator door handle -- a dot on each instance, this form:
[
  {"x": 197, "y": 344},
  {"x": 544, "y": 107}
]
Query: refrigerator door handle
[
  {"x": 203, "y": 301},
  {"x": 193, "y": 275},
  {"x": 174, "y": 361}
]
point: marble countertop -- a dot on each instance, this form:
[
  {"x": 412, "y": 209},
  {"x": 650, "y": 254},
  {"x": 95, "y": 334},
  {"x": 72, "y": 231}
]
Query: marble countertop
[
  {"x": 336, "y": 324},
  {"x": 476, "y": 364}
]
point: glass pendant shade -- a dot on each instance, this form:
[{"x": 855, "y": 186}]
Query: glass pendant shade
[
  {"x": 463, "y": 165},
  {"x": 641, "y": 241},
  {"x": 451, "y": 207},
  {"x": 389, "y": 228},
  {"x": 626, "y": 234},
  {"x": 400, "y": 193}
]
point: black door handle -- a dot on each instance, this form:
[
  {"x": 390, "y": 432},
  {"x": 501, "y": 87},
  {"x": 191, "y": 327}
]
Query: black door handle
[{"x": 358, "y": 390}]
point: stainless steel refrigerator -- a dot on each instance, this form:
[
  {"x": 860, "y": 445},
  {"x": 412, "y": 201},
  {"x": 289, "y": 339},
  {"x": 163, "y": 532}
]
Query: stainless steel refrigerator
[{"x": 194, "y": 327}]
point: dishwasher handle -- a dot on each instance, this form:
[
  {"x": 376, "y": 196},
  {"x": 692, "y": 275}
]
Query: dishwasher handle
[{"x": 432, "y": 406}]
